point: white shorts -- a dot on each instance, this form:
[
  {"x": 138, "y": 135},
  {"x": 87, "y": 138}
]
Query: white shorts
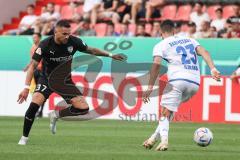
[{"x": 177, "y": 92}]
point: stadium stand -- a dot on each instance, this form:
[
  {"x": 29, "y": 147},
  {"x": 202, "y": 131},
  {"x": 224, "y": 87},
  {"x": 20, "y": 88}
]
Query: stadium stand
[{"x": 173, "y": 9}]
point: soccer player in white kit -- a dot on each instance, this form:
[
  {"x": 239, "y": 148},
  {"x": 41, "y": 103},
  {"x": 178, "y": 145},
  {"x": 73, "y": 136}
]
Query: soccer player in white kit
[{"x": 183, "y": 77}]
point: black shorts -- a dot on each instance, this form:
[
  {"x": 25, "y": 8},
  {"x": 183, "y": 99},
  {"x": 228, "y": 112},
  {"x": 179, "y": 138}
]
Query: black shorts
[{"x": 67, "y": 91}]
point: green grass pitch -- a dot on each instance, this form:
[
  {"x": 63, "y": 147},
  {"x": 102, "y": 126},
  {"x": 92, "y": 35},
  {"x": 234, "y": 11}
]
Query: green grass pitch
[{"x": 113, "y": 140}]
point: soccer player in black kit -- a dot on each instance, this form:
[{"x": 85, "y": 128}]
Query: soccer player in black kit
[{"x": 56, "y": 51}]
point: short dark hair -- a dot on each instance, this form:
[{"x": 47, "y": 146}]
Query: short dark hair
[
  {"x": 177, "y": 24},
  {"x": 219, "y": 10},
  {"x": 38, "y": 34},
  {"x": 200, "y": 3},
  {"x": 167, "y": 26},
  {"x": 191, "y": 24},
  {"x": 63, "y": 23}
]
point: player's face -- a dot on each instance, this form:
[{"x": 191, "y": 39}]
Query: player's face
[
  {"x": 36, "y": 39},
  {"x": 62, "y": 34}
]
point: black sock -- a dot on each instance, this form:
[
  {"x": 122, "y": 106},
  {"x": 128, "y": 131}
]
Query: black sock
[
  {"x": 29, "y": 118},
  {"x": 72, "y": 111}
]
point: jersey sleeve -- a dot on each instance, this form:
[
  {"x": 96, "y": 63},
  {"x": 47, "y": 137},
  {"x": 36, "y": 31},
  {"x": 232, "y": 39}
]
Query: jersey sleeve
[
  {"x": 157, "y": 51},
  {"x": 38, "y": 53},
  {"x": 195, "y": 43},
  {"x": 81, "y": 46}
]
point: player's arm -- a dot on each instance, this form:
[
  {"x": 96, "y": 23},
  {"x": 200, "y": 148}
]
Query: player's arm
[
  {"x": 32, "y": 66},
  {"x": 82, "y": 47},
  {"x": 99, "y": 52},
  {"x": 30, "y": 71},
  {"x": 207, "y": 58},
  {"x": 153, "y": 76},
  {"x": 154, "y": 71},
  {"x": 37, "y": 56}
]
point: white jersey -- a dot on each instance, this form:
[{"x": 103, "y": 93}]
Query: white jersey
[{"x": 181, "y": 56}]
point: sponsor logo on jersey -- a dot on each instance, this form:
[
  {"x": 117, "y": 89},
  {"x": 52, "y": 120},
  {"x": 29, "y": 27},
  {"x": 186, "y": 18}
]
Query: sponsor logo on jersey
[
  {"x": 70, "y": 49},
  {"x": 62, "y": 59},
  {"x": 52, "y": 52},
  {"x": 39, "y": 51}
]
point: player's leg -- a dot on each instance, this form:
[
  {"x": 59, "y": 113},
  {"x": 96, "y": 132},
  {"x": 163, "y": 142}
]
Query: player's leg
[
  {"x": 41, "y": 93},
  {"x": 78, "y": 107},
  {"x": 72, "y": 96},
  {"x": 181, "y": 91},
  {"x": 37, "y": 76},
  {"x": 170, "y": 101},
  {"x": 163, "y": 128},
  {"x": 161, "y": 132},
  {"x": 37, "y": 101}
]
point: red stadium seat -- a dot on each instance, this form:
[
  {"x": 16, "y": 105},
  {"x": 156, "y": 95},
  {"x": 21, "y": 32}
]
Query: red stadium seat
[
  {"x": 211, "y": 11},
  {"x": 66, "y": 12},
  {"x": 101, "y": 29},
  {"x": 228, "y": 11},
  {"x": 169, "y": 12},
  {"x": 79, "y": 9},
  {"x": 148, "y": 28},
  {"x": 183, "y": 13},
  {"x": 132, "y": 28},
  {"x": 57, "y": 8},
  {"x": 117, "y": 27},
  {"x": 74, "y": 27}
]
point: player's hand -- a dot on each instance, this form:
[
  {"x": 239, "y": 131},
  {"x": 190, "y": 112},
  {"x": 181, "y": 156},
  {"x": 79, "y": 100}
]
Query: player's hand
[
  {"x": 216, "y": 74},
  {"x": 119, "y": 57},
  {"x": 23, "y": 96},
  {"x": 146, "y": 95}
]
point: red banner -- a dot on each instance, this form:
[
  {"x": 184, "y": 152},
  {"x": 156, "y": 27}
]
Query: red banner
[{"x": 215, "y": 101}]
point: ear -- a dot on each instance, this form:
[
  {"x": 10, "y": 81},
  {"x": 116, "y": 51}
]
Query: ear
[{"x": 55, "y": 30}]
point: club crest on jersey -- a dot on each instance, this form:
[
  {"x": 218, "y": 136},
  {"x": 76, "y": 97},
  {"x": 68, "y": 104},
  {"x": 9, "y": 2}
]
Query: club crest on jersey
[
  {"x": 70, "y": 49},
  {"x": 39, "y": 51}
]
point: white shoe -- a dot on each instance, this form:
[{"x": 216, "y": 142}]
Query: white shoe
[
  {"x": 53, "y": 120},
  {"x": 149, "y": 143},
  {"x": 23, "y": 140},
  {"x": 163, "y": 146}
]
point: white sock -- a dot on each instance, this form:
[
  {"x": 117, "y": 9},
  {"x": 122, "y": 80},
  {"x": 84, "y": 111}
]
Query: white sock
[
  {"x": 164, "y": 128},
  {"x": 23, "y": 137},
  {"x": 156, "y": 134}
]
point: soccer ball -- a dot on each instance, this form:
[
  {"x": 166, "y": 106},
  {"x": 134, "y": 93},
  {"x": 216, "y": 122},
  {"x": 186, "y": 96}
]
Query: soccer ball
[{"x": 203, "y": 136}]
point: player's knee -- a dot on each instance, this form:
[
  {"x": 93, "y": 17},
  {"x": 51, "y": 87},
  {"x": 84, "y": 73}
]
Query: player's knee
[
  {"x": 167, "y": 113},
  {"x": 38, "y": 98},
  {"x": 78, "y": 111}
]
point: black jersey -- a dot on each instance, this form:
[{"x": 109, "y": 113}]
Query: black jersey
[{"x": 53, "y": 54}]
